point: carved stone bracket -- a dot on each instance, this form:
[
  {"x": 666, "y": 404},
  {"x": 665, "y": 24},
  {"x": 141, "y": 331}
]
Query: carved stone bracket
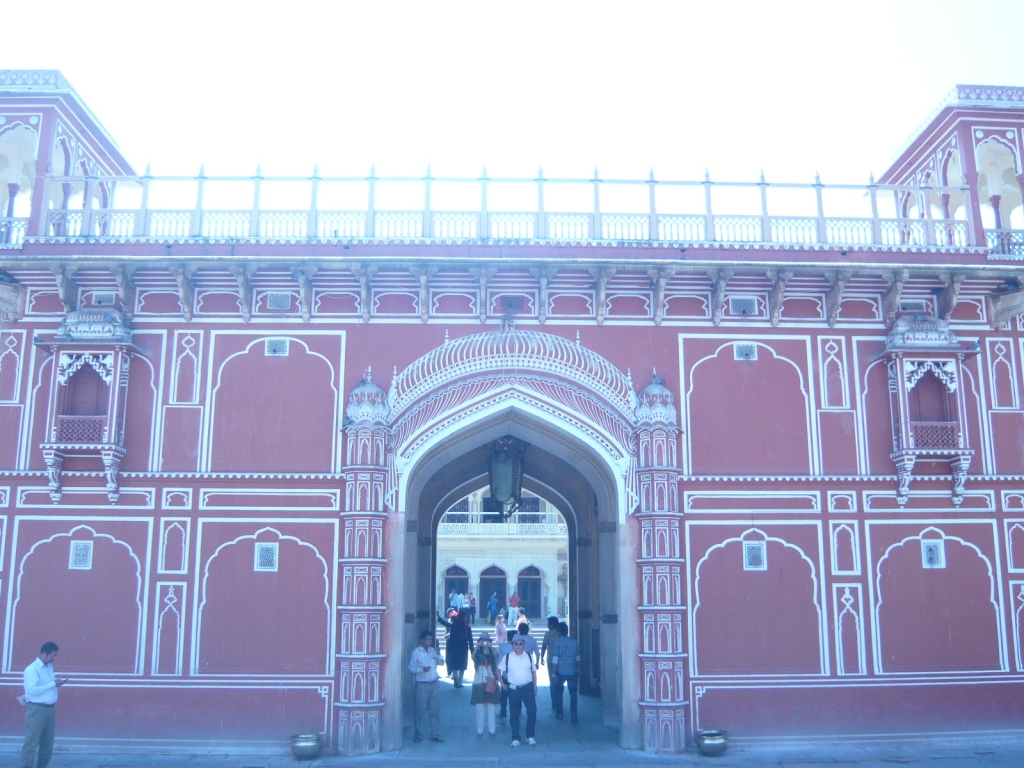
[
  {"x": 126, "y": 289},
  {"x": 891, "y": 298},
  {"x": 54, "y": 463},
  {"x": 12, "y": 299},
  {"x": 111, "y": 466},
  {"x": 602, "y": 276},
  {"x": 959, "y": 466},
  {"x": 67, "y": 289},
  {"x": 659, "y": 279},
  {"x": 904, "y": 471},
  {"x": 364, "y": 275},
  {"x": 777, "y": 294},
  {"x": 544, "y": 275},
  {"x": 303, "y": 276},
  {"x": 423, "y": 274},
  {"x": 1003, "y": 307},
  {"x": 948, "y": 296},
  {"x": 186, "y": 290},
  {"x": 243, "y": 276},
  {"x": 719, "y": 281},
  {"x": 482, "y": 275},
  {"x": 834, "y": 297}
]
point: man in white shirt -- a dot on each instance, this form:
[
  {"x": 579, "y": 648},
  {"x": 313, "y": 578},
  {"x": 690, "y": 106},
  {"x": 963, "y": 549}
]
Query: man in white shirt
[
  {"x": 423, "y": 664},
  {"x": 519, "y": 677},
  {"x": 41, "y": 700}
]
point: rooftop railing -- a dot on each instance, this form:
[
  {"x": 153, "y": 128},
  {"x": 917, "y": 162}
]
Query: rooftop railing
[{"x": 516, "y": 209}]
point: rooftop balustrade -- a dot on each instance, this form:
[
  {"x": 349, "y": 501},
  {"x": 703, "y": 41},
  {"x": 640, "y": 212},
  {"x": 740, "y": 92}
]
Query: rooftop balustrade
[{"x": 506, "y": 209}]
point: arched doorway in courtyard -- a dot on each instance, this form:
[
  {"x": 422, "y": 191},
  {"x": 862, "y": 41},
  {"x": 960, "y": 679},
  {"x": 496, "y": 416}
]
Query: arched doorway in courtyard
[
  {"x": 599, "y": 452},
  {"x": 592, "y": 543}
]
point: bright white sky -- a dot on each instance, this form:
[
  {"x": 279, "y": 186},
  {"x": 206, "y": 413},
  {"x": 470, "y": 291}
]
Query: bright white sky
[{"x": 786, "y": 86}]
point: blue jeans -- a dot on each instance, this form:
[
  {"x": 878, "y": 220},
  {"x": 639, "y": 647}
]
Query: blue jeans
[{"x": 572, "y": 683}]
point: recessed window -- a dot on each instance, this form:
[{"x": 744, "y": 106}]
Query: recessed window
[
  {"x": 744, "y": 351},
  {"x": 266, "y": 557},
  {"x": 742, "y": 305},
  {"x": 513, "y": 303},
  {"x": 81, "y": 556},
  {"x": 755, "y": 556},
  {"x": 104, "y": 298},
  {"x": 279, "y": 301},
  {"x": 933, "y": 553},
  {"x": 275, "y": 347},
  {"x": 916, "y": 306}
]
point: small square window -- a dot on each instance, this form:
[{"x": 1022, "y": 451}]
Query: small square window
[
  {"x": 744, "y": 351},
  {"x": 279, "y": 301},
  {"x": 755, "y": 556},
  {"x": 742, "y": 305},
  {"x": 266, "y": 557},
  {"x": 275, "y": 347},
  {"x": 917, "y": 306},
  {"x": 81, "y": 556},
  {"x": 104, "y": 298},
  {"x": 933, "y": 553},
  {"x": 513, "y": 303}
]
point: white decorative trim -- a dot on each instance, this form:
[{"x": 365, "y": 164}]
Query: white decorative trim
[
  {"x": 945, "y": 370},
  {"x": 995, "y": 587},
  {"x": 70, "y": 363},
  {"x": 512, "y": 350}
]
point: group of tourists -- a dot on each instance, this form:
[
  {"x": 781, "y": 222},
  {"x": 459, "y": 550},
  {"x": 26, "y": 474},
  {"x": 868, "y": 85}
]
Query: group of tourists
[
  {"x": 505, "y": 675},
  {"x": 463, "y": 602}
]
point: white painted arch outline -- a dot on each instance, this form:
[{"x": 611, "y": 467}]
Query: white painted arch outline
[
  {"x": 140, "y": 601},
  {"x": 337, "y": 374},
  {"x": 200, "y": 600},
  {"x": 994, "y": 598},
  {"x": 818, "y": 600},
  {"x": 813, "y": 460}
]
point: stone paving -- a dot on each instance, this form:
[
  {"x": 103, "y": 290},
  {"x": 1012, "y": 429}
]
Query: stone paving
[{"x": 561, "y": 744}]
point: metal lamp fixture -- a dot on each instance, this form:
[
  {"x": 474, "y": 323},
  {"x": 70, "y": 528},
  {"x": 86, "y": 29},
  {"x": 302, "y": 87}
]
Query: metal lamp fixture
[{"x": 505, "y": 469}]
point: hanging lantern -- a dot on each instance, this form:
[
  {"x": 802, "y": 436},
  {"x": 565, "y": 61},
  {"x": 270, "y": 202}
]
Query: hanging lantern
[{"x": 506, "y": 473}]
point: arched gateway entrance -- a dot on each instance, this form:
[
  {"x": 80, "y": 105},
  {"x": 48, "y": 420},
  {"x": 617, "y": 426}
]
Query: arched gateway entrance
[{"x": 599, "y": 451}]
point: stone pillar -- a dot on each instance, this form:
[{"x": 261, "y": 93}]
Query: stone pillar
[
  {"x": 662, "y": 609},
  {"x": 361, "y": 655}
]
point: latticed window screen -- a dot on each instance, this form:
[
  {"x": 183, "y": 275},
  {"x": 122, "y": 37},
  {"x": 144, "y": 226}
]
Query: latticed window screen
[
  {"x": 755, "y": 556},
  {"x": 266, "y": 557},
  {"x": 742, "y": 305},
  {"x": 275, "y": 347},
  {"x": 81, "y": 556},
  {"x": 744, "y": 351},
  {"x": 933, "y": 553},
  {"x": 279, "y": 301}
]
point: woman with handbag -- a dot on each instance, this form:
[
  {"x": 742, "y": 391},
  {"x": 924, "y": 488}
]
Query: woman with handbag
[{"x": 485, "y": 685}]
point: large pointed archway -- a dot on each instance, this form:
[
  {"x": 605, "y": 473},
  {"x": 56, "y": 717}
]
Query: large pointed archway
[{"x": 609, "y": 456}]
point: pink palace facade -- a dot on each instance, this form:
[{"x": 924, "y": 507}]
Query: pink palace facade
[{"x": 784, "y": 423}]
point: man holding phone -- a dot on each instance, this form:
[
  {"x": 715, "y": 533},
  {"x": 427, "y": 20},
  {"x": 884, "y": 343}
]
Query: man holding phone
[{"x": 41, "y": 700}]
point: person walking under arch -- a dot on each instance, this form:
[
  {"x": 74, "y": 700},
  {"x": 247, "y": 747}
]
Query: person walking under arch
[
  {"x": 519, "y": 677},
  {"x": 547, "y": 648},
  {"x": 485, "y": 696},
  {"x": 564, "y": 667},
  {"x": 458, "y": 645}
]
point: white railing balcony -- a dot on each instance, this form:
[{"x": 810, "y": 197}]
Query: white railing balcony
[
  {"x": 666, "y": 211},
  {"x": 12, "y": 232},
  {"x": 1007, "y": 242},
  {"x": 502, "y": 530}
]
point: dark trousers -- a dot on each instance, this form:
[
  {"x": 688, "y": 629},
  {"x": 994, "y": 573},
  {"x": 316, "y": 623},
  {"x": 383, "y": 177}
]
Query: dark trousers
[
  {"x": 573, "y": 684},
  {"x": 522, "y": 695},
  {"x": 504, "y": 701}
]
